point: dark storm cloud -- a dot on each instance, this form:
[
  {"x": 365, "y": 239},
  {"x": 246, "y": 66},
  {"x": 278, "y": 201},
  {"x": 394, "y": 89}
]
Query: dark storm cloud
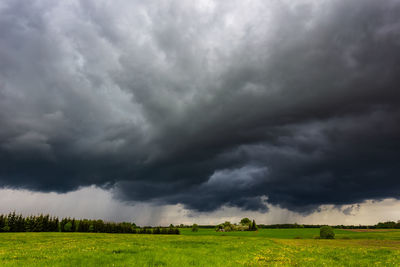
[{"x": 206, "y": 104}]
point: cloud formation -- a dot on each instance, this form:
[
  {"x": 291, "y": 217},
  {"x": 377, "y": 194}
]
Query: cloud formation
[{"x": 208, "y": 104}]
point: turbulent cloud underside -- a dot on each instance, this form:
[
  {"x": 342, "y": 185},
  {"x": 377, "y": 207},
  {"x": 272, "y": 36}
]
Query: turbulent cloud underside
[{"x": 206, "y": 104}]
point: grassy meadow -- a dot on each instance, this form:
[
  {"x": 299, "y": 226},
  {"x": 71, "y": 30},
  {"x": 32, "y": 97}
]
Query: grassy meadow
[{"x": 269, "y": 247}]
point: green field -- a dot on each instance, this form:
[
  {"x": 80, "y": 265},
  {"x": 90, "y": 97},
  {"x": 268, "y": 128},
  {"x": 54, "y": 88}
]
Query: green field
[{"x": 271, "y": 247}]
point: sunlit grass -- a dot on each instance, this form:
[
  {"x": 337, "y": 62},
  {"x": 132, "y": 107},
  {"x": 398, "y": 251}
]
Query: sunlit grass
[{"x": 270, "y": 247}]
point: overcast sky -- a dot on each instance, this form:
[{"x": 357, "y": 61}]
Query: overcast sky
[{"x": 181, "y": 110}]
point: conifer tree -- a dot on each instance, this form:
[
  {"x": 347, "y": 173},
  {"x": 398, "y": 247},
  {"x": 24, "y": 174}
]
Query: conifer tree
[
  {"x": 254, "y": 226},
  {"x": 11, "y": 222},
  {"x": 2, "y": 222},
  {"x": 56, "y": 225},
  {"x": 73, "y": 225}
]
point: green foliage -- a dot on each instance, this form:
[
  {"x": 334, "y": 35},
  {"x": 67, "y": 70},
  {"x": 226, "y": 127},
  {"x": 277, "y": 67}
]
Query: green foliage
[
  {"x": 68, "y": 227},
  {"x": 326, "y": 232},
  {"x": 245, "y": 221},
  {"x": 388, "y": 225},
  {"x": 195, "y": 228},
  {"x": 225, "y": 227},
  {"x": 243, "y": 226}
]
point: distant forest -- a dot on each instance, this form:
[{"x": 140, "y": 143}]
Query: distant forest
[
  {"x": 45, "y": 223},
  {"x": 13, "y": 222},
  {"x": 381, "y": 225}
]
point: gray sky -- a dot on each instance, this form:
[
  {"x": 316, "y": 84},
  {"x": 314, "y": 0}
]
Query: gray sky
[
  {"x": 94, "y": 203},
  {"x": 208, "y": 108}
]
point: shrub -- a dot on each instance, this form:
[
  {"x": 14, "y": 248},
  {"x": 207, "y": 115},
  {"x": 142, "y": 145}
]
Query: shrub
[
  {"x": 219, "y": 227},
  {"x": 326, "y": 232},
  {"x": 68, "y": 227},
  {"x": 195, "y": 228},
  {"x": 227, "y": 228}
]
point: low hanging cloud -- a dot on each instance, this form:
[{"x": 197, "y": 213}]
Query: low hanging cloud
[{"x": 206, "y": 104}]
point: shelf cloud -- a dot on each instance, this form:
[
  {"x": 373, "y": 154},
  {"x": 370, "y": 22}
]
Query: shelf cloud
[{"x": 239, "y": 104}]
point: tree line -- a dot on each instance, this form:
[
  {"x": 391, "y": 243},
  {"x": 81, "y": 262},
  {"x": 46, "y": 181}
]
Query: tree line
[
  {"x": 13, "y": 222},
  {"x": 380, "y": 225}
]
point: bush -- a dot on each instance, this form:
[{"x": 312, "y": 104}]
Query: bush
[
  {"x": 195, "y": 228},
  {"x": 326, "y": 232},
  {"x": 68, "y": 227}
]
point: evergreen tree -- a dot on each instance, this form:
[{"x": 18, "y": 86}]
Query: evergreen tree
[
  {"x": 28, "y": 224},
  {"x": 157, "y": 231},
  {"x": 56, "y": 225},
  {"x": 63, "y": 222},
  {"x": 73, "y": 225},
  {"x": 2, "y": 222},
  {"x": 11, "y": 222},
  {"x": 254, "y": 226},
  {"x": 46, "y": 223},
  {"x": 40, "y": 223}
]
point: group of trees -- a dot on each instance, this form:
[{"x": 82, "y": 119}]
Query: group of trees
[
  {"x": 245, "y": 225},
  {"x": 17, "y": 223},
  {"x": 381, "y": 225},
  {"x": 388, "y": 225},
  {"x": 45, "y": 223}
]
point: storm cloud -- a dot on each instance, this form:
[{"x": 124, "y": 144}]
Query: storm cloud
[{"x": 206, "y": 104}]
